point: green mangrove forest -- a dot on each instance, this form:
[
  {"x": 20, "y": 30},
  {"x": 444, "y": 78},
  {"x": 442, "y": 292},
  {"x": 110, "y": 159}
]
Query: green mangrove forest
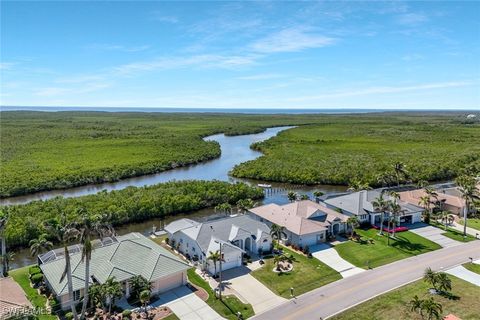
[
  {"x": 341, "y": 149},
  {"x": 26, "y": 222}
]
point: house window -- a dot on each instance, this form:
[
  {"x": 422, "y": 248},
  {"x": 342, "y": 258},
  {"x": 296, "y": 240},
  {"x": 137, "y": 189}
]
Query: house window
[
  {"x": 76, "y": 295},
  {"x": 181, "y": 240},
  {"x": 187, "y": 244},
  {"x": 193, "y": 249}
]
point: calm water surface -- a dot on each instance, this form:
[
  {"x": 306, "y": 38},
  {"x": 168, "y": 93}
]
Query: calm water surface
[{"x": 235, "y": 150}]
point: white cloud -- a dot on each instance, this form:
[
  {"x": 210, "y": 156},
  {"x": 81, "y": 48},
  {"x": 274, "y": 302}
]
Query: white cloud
[
  {"x": 410, "y": 19},
  {"x": 261, "y": 76},
  {"x": 167, "y": 19},
  {"x": 291, "y": 40},
  {"x": 202, "y": 61},
  {"x": 384, "y": 90},
  {"x": 116, "y": 47},
  {"x": 59, "y": 91},
  {"x": 6, "y": 65},
  {"x": 413, "y": 57}
]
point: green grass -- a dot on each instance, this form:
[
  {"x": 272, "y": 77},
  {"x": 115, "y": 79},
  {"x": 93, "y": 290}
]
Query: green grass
[
  {"x": 472, "y": 223},
  {"x": 228, "y": 306},
  {"x": 39, "y": 301},
  {"x": 173, "y": 316},
  {"x": 346, "y": 147},
  {"x": 55, "y": 150},
  {"x": 379, "y": 253},
  {"x": 307, "y": 274},
  {"x": 472, "y": 267},
  {"x": 453, "y": 233},
  {"x": 394, "y": 305}
]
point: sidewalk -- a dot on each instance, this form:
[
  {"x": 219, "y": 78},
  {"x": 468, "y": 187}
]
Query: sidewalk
[
  {"x": 459, "y": 227},
  {"x": 464, "y": 274}
]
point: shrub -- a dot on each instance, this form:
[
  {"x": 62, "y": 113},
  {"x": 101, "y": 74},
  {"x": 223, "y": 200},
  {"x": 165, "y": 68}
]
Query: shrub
[
  {"x": 126, "y": 314},
  {"x": 36, "y": 278},
  {"x": 167, "y": 240},
  {"x": 69, "y": 316},
  {"x": 34, "y": 270}
]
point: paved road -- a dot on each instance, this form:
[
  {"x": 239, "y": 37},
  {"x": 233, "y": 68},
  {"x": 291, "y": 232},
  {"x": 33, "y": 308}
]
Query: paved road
[{"x": 345, "y": 293}]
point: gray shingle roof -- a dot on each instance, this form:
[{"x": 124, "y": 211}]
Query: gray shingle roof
[{"x": 133, "y": 254}]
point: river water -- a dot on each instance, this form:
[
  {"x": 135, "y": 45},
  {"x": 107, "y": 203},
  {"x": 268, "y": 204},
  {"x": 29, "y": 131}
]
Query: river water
[{"x": 235, "y": 150}]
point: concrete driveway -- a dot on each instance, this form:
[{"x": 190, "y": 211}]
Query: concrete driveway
[
  {"x": 465, "y": 274},
  {"x": 186, "y": 305},
  {"x": 328, "y": 255},
  {"x": 434, "y": 234},
  {"x": 250, "y": 289}
]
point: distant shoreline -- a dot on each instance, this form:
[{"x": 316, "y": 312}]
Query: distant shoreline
[{"x": 226, "y": 110}]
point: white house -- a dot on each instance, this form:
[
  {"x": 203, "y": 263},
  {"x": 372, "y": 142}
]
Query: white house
[
  {"x": 306, "y": 222},
  {"x": 236, "y": 235},
  {"x": 121, "y": 257},
  {"x": 361, "y": 204}
]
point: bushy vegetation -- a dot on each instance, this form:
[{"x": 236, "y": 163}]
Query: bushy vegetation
[
  {"x": 343, "y": 149},
  {"x": 54, "y": 150},
  {"x": 26, "y": 222}
]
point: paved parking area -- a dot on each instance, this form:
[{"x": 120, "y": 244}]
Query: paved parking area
[
  {"x": 434, "y": 234},
  {"x": 186, "y": 305},
  {"x": 328, "y": 255},
  {"x": 251, "y": 290},
  {"x": 465, "y": 274}
]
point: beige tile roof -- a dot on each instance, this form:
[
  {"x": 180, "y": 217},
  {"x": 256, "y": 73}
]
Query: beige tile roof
[
  {"x": 413, "y": 197},
  {"x": 12, "y": 297},
  {"x": 300, "y": 217}
]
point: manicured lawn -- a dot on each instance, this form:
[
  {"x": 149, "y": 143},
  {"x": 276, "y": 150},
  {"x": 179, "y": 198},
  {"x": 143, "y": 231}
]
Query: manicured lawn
[
  {"x": 307, "y": 274},
  {"x": 173, "y": 316},
  {"x": 472, "y": 223},
  {"x": 452, "y": 233},
  {"x": 363, "y": 254},
  {"x": 472, "y": 267},
  {"x": 394, "y": 305},
  {"x": 228, "y": 307},
  {"x": 21, "y": 277}
]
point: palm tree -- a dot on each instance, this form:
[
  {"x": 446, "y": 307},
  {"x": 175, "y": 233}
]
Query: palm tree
[
  {"x": 138, "y": 284},
  {"x": 416, "y": 305},
  {"x": 97, "y": 295},
  {"x": 214, "y": 257},
  {"x": 145, "y": 296},
  {"x": 292, "y": 196},
  {"x": 89, "y": 228},
  {"x": 304, "y": 197},
  {"x": 445, "y": 217},
  {"x": 432, "y": 309},
  {"x": 425, "y": 203},
  {"x": 6, "y": 258},
  {"x": 225, "y": 208},
  {"x": 444, "y": 282},
  {"x": 380, "y": 205},
  {"x": 400, "y": 171},
  {"x": 353, "y": 222},
  {"x": 39, "y": 245},
  {"x": 244, "y": 204},
  {"x": 318, "y": 194},
  {"x": 65, "y": 233},
  {"x": 113, "y": 290},
  {"x": 356, "y": 185},
  {"x": 467, "y": 186},
  {"x": 3, "y": 251},
  {"x": 430, "y": 276},
  {"x": 277, "y": 232}
]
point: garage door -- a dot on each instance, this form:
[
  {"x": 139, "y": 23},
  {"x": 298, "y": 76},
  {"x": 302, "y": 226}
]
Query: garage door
[{"x": 168, "y": 283}]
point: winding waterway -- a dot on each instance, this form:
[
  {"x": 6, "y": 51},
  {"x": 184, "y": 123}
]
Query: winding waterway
[{"x": 235, "y": 150}]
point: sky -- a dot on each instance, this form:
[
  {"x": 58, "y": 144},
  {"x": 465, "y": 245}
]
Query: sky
[{"x": 295, "y": 55}]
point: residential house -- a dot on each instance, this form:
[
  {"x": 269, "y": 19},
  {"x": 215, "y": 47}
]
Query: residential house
[
  {"x": 121, "y": 257},
  {"x": 447, "y": 199},
  {"x": 235, "y": 234},
  {"x": 306, "y": 222},
  {"x": 361, "y": 204}
]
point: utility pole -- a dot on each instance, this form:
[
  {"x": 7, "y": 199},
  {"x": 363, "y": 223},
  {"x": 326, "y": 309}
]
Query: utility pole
[{"x": 221, "y": 258}]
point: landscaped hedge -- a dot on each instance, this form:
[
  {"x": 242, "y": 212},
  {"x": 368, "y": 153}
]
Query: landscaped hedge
[
  {"x": 34, "y": 270},
  {"x": 26, "y": 222}
]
